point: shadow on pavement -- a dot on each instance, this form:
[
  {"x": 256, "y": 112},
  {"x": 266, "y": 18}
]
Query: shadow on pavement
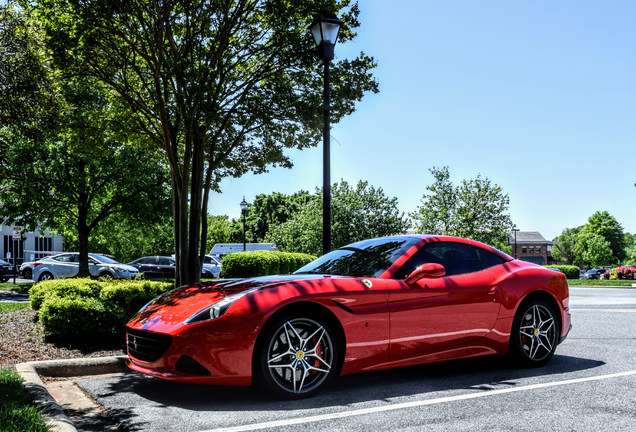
[{"x": 475, "y": 374}]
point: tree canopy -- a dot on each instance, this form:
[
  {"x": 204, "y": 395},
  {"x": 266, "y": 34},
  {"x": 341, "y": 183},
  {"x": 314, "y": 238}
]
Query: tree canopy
[
  {"x": 359, "y": 213},
  {"x": 81, "y": 174},
  {"x": 607, "y": 227},
  {"x": 220, "y": 87},
  {"x": 564, "y": 248},
  {"x": 476, "y": 209}
]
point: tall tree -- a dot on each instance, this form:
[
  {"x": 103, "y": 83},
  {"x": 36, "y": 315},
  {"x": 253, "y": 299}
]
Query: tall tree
[
  {"x": 565, "y": 249},
  {"x": 593, "y": 250},
  {"x": 477, "y": 209},
  {"x": 605, "y": 225},
  {"x": 221, "y": 87},
  {"x": 28, "y": 82},
  {"x": 270, "y": 210},
  {"x": 630, "y": 249},
  {"x": 82, "y": 174},
  {"x": 359, "y": 213}
]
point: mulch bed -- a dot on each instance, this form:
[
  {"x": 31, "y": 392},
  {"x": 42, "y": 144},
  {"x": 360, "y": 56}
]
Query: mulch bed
[{"x": 22, "y": 339}]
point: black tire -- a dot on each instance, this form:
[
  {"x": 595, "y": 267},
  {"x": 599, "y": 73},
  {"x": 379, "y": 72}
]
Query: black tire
[
  {"x": 2, "y": 280},
  {"x": 535, "y": 333},
  {"x": 105, "y": 275},
  {"x": 28, "y": 273},
  {"x": 298, "y": 356},
  {"x": 45, "y": 276}
]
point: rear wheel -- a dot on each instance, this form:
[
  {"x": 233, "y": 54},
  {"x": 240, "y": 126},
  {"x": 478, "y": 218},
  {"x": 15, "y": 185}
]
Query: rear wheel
[
  {"x": 298, "y": 356},
  {"x": 535, "y": 333},
  {"x": 45, "y": 276}
]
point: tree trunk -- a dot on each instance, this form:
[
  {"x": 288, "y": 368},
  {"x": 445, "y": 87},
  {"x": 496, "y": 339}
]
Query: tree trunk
[{"x": 83, "y": 233}]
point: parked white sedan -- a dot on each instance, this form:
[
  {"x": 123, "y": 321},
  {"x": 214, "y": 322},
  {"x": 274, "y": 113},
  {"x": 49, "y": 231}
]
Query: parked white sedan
[{"x": 66, "y": 265}]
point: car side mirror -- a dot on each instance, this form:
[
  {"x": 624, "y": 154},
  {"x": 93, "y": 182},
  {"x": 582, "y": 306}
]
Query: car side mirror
[{"x": 426, "y": 271}]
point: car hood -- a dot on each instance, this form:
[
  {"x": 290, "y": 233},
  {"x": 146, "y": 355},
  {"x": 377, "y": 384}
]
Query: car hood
[{"x": 170, "y": 310}]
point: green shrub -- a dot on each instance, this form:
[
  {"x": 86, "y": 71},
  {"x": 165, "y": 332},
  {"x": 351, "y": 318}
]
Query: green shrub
[
  {"x": 76, "y": 317},
  {"x": 63, "y": 288},
  {"x": 87, "y": 308},
  {"x": 130, "y": 296},
  {"x": 261, "y": 263},
  {"x": 570, "y": 271}
]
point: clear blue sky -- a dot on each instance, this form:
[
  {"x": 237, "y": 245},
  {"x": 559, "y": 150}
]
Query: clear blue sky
[{"x": 539, "y": 96}]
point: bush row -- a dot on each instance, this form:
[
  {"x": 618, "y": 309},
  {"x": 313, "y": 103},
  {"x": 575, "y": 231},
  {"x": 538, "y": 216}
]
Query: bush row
[
  {"x": 261, "y": 263},
  {"x": 88, "y": 308},
  {"x": 570, "y": 271}
]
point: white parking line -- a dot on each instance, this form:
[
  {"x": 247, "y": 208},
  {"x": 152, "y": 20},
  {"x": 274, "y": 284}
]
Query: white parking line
[
  {"x": 414, "y": 404},
  {"x": 603, "y": 310}
]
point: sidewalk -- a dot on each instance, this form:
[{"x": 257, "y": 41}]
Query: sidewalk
[
  {"x": 85, "y": 414},
  {"x": 14, "y": 297}
]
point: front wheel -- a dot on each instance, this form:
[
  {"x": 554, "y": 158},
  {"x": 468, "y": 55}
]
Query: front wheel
[
  {"x": 298, "y": 356},
  {"x": 535, "y": 333}
]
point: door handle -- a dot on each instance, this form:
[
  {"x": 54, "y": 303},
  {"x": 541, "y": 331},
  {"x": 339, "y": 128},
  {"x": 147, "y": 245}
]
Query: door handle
[{"x": 492, "y": 291}]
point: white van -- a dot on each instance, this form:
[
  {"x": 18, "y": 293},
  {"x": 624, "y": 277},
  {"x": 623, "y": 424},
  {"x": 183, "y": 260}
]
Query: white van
[{"x": 222, "y": 249}]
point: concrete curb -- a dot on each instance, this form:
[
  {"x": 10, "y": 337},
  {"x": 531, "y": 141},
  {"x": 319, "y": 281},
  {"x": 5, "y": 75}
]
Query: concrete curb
[{"x": 57, "y": 421}]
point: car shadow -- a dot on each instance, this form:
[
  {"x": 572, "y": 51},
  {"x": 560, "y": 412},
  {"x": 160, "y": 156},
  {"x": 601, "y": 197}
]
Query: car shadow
[{"x": 475, "y": 374}]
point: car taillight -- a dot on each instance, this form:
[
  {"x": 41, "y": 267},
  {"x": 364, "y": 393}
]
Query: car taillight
[{"x": 35, "y": 264}]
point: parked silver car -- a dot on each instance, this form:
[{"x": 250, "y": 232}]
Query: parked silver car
[
  {"x": 211, "y": 267},
  {"x": 26, "y": 269},
  {"x": 66, "y": 265}
]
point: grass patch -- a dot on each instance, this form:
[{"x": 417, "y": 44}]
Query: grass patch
[
  {"x": 22, "y": 287},
  {"x": 17, "y": 413},
  {"x": 596, "y": 282},
  {"x": 12, "y": 307}
]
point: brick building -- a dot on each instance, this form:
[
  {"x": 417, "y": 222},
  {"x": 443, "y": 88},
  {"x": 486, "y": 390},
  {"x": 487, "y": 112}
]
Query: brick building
[{"x": 531, "y": 246}]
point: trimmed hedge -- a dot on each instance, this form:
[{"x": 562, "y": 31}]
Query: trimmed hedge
[
  {"x": 570, "y": 271},
  {"x": 86, "y": 308},
  {"x": 261, "y": 263}
]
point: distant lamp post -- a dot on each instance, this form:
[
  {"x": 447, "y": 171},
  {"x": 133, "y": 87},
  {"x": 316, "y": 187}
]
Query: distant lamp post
[
  {"x": 515, "y": 253},
  {"x": 325, "y": 32},
  {"x": 244, "y": 213}
]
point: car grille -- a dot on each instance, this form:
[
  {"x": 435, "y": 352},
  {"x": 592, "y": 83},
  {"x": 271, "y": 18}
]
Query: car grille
[{"x": 147, "y": 346}]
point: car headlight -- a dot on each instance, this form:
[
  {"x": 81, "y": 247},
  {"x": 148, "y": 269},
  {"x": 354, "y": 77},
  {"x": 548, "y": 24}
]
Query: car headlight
[{"x": 217, "y": 309}]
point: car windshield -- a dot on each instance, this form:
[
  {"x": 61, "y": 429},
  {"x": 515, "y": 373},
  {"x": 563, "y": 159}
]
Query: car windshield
[
  {"x": 103, "y": 259},
  {"x": 369, "y": 258}
]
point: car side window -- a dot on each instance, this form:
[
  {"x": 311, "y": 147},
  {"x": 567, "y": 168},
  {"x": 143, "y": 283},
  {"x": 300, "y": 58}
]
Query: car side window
[
  {"x": 489, "y": 259},
  {"x": 163, "y": 261},
  {"x": 63, "y": 258},
  {"x": 457, "y": 258}
]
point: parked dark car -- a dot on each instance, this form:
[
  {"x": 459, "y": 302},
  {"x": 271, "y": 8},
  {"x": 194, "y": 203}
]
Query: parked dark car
[
  {"x": 164, "y": 267},
  {"x": 155, "y": 266},
  {"x": 593, "y": 274},
  {"x": 7, "y": 271}
]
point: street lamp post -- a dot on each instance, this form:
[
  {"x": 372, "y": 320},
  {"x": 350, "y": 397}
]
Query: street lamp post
[
  {"x": 325, "y": 32},
  {"x": 244, "y": 213},
  {"x": 515, "y": 252}
]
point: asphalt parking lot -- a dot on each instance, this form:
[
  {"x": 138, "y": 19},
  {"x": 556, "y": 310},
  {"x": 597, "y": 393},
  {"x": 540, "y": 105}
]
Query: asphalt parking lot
[{"x": 589, "y": 385}]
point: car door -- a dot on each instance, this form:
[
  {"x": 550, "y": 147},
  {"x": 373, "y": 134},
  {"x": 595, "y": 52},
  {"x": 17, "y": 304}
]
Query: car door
[
  {"x": 62, "y": 266},
  {"x": 165, "y": 267},
  {"x": 438, "y": 314},
  {"x": 147, "y": 266}
]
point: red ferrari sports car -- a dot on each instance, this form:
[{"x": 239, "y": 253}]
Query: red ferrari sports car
[{"x": 376, "y": 304}]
